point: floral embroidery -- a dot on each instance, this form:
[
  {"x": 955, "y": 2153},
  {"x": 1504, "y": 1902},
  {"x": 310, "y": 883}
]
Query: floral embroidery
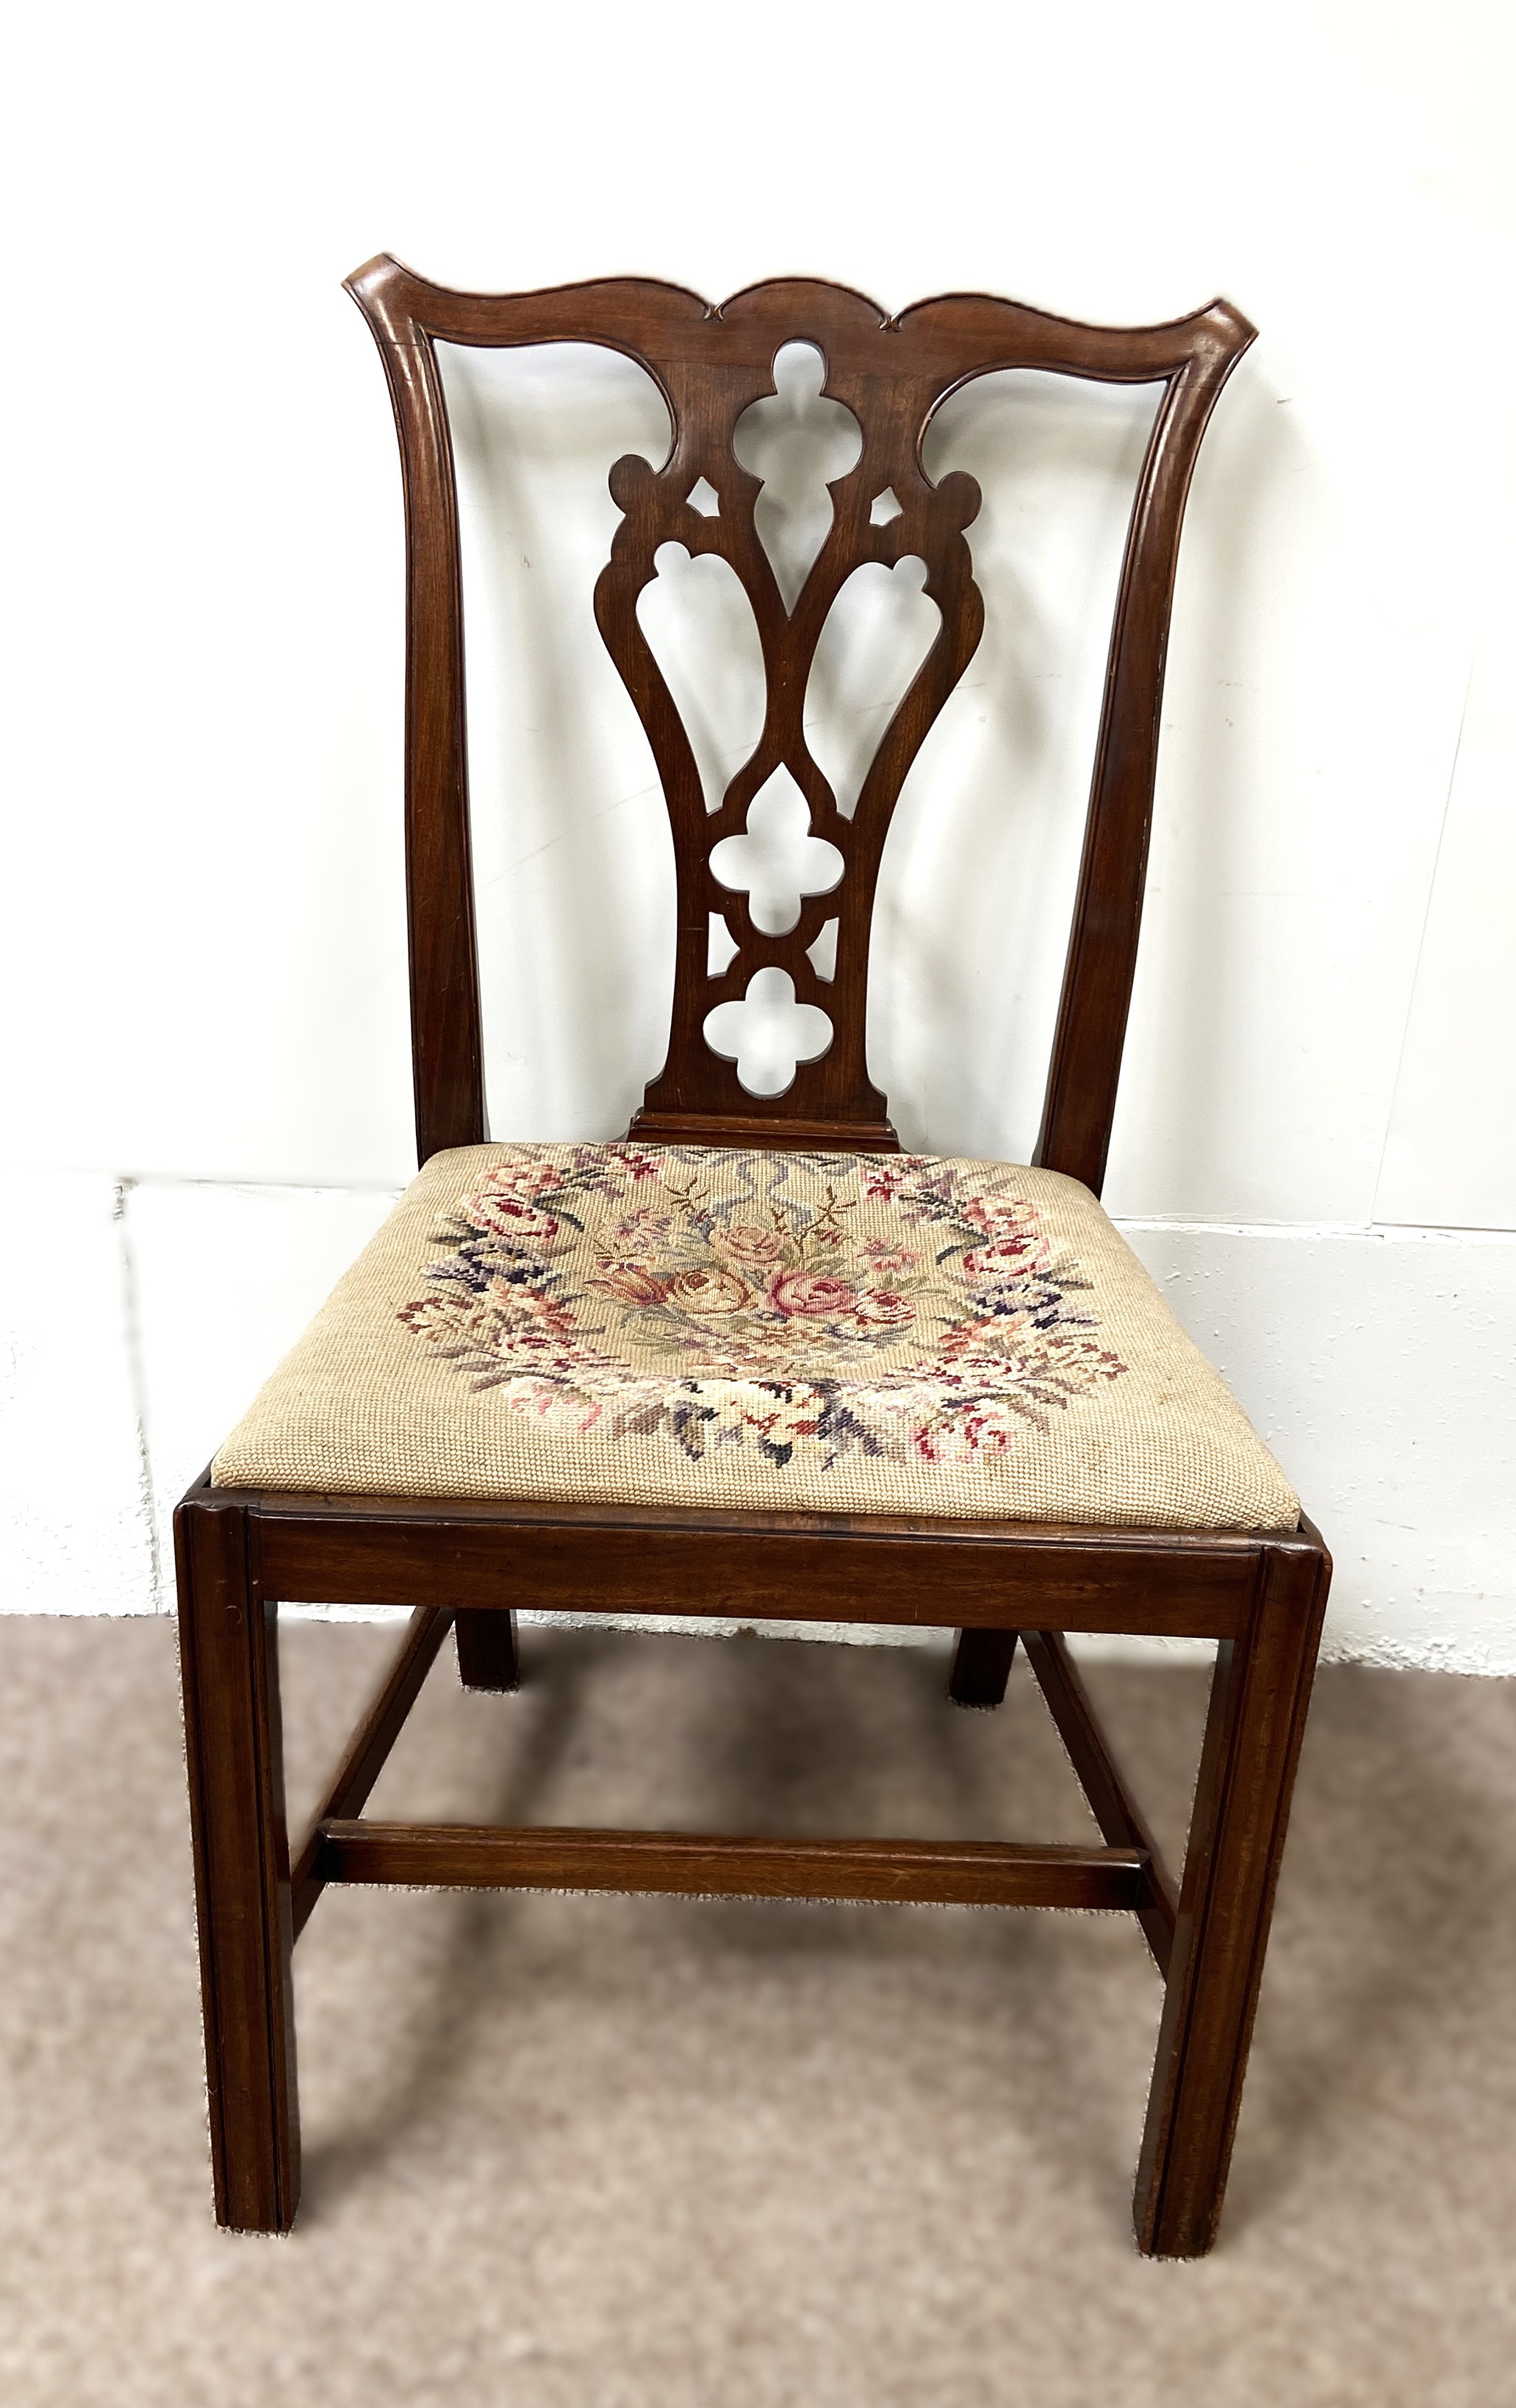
[{"x": 801, "y": 1306}]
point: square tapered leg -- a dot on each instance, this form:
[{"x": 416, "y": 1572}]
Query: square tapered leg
[
  {"x": 229, "y": 1649},
  {"x": 1259, "y": 1697}
]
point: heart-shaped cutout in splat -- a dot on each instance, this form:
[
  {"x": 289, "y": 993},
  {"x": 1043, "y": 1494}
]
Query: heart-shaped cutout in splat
[
  {"x": 877, "y": 633},
  {"x": 700, "y": 629}
]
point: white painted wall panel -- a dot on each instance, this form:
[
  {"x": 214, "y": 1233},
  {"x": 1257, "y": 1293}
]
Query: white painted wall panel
[
  {"x": 1310, "y": 730},
  {"x": 1451, "y": 1152},
  {"x": 76, "y": 1535},
  {"x": 1380, "y": 1367}
]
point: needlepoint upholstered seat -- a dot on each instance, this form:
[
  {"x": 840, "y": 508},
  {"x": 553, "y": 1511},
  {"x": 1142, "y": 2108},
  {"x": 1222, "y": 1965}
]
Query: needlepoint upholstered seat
[
  {"x": 750, "y": 1358},
  {"x": 712, "y": 1325}
]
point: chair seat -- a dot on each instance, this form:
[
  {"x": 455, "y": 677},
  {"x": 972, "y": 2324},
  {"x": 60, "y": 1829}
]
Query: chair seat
[{"x": 698, "y": 1326}]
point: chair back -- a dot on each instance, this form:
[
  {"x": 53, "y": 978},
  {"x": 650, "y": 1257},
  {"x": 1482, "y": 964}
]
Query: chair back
[{"x": 711, "y": 365}]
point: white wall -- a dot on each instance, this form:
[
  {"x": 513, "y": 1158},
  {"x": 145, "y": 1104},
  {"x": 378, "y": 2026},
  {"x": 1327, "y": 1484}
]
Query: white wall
[{"x": 207, "y": 1095}]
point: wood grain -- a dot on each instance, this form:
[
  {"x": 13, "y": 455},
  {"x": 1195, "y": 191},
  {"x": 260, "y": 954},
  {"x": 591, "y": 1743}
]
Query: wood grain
[
  {"x": 1111, "y": 1798},
  {"x": 858, "y": 1568},
  {"x": 983, "y": 1872},
  {"x": 228, "y": 1646},
  {"x": 1257, "y": 1718}
]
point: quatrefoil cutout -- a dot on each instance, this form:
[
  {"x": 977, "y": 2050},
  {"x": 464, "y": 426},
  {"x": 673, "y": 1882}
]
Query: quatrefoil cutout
[
  {"x": 799, "y": 441},
  {"x": 778, "y": 860},
  {"x": 768, "y": 1035}
]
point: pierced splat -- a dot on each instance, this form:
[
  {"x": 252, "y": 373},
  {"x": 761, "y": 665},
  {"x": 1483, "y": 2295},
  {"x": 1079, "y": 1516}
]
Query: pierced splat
[
  {"x": 720, "y": 947},
  {"x": 699, "y": 625},
  {"x": 798, "y": 441},
  {"x": 778, "y": 862},
  {"x": 799, "y": 410},
  {"x": 878, "y": 632},
  {"x": 819, "y": 446},
  {"x": 823, "y": 953},
  {"x": 768, "y": 1035}
]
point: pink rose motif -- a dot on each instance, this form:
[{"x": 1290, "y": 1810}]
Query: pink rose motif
[
  {"x": 1003, "y": 1218},
  {"x": 509, "y": 1216},
  {"x": 747, "y": 1246},
  {"x": 629, "y": 1282},
  {"x": 885, "y": 1256},
  {"x": 549, "y": 1403},
  {"x": 972, "y": 1340},
  {"x": 1006, "y": 1258},
  {"x": 812, "y": 1296},
  {"x": 711, "y": 1294},
  {"x": 1003, "y": 1257},
  {"x": 989, "y": 1427},
  {"x": 994, "y": 1214},
  {"x": 885, "y": 1308},
  {"x": 527, "y": 1178}
]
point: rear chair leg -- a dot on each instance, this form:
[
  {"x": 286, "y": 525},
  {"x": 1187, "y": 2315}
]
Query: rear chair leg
[
  {"x": 1258, "y": 1701},
  {"x": 981, "y": 1667},
  {"x": 229, "y": 1649},
  {"x": 488, "y": 1657}
]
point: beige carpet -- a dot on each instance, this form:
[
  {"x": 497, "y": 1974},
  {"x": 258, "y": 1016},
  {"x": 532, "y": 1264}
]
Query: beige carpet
[{"x": 564, "y": 2153}]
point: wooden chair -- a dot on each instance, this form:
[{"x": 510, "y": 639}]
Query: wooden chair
[{"x": 465, "y": 1554}]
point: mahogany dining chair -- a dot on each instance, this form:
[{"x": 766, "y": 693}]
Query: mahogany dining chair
[{"x": 751, "y": 1359}]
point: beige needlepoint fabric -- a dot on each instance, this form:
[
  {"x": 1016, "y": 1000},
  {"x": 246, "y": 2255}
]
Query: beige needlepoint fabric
[{"x": 699, "y": 1325}]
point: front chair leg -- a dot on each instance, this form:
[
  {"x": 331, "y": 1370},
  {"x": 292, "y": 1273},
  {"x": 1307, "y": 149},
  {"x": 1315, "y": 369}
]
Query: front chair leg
[
  {"x": 228, "y": 1640},
  {"x": 1256, "y": 1720},
  {"x": 488, "y": 1656},
  {"x": 981, "y": 1664}
]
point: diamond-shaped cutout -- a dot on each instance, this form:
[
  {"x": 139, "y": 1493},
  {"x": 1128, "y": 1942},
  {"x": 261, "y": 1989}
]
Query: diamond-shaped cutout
[
  {"x": 703, "y": 496},
  {"x": 778, "y": 860},
  {"x": 885, "y": 508},
  {"x": 768, "y": 1035}
]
